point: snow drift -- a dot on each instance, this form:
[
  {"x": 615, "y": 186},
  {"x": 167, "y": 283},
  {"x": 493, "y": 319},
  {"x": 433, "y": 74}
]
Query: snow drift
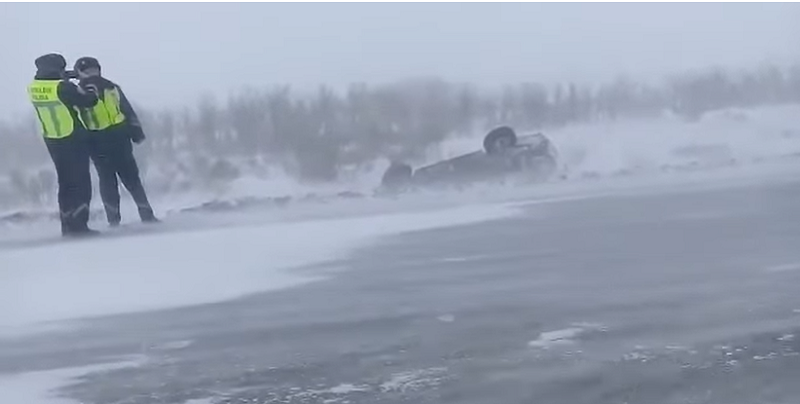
[
  {"x": 152, "y": 271},
  {"x": 731, "y": 136}
]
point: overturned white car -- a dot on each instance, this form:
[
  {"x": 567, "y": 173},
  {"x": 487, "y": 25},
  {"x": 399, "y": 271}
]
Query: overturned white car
[{"x": 503, "y": 153}]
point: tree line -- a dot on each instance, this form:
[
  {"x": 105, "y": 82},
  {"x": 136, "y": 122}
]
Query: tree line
[{"x": 312, "y": 136}]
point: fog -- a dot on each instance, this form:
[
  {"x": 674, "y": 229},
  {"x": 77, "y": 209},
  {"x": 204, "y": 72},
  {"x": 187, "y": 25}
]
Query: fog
[
  {"x": 638, "y": 251},
  {"x": 232, "y": 95},
  {"x": 168, "y": 54}
]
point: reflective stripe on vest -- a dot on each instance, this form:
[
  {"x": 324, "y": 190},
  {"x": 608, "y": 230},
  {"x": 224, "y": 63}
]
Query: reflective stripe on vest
[
  {"x": 54, "y": 115},
  {"x": 106, "y": 113}
]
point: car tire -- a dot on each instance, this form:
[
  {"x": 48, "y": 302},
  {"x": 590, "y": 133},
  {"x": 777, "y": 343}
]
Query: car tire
[
  {"x": 499, "y": 139},
  {"x": 397, "y": 175}
]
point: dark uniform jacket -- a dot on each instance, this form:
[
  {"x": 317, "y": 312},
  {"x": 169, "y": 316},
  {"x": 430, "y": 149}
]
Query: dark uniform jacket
[{"x": 132, "y": 125}]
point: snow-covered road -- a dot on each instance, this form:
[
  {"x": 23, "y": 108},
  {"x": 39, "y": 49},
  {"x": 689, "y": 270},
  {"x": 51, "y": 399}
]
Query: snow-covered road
[{"x": 679, "y": 291}]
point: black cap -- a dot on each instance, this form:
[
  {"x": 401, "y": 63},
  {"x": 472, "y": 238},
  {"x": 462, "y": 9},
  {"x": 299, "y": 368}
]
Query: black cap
[
  {"x": 86, "y": 62},
  {"x": 51, "y": 62}
]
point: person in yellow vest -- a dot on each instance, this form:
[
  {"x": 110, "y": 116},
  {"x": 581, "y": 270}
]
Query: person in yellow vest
[
  {"x": 113, "y": 125},
  {"x": 56, "y": 101}
]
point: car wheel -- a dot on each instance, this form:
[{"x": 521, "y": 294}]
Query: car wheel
[
  {"x": 499, "y": 139},
  {"x": 397, "y": 175}
]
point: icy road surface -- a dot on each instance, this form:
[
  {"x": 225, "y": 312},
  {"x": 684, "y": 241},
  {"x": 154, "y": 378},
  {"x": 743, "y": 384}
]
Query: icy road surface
[{"x": 685, "y": 295}]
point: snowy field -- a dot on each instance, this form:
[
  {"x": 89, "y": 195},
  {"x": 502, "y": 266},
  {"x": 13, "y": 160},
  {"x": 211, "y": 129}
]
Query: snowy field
[
  {"x": 646, "y": 147},
  {"x": 228, "y": 250},
  {"x": 209, "y": 253}
]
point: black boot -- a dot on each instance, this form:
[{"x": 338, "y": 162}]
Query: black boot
[
  {"x": 87, "y": 232},
  {"x": 79, "y": 232},
  {"x": 147, "y": 215},
  {"x": 113, "y": 215}
]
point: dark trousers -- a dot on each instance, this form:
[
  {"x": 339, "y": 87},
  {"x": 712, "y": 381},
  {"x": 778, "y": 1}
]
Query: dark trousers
[
  {"x": 112, "y": 154},
  {"x": 71, "y": 158}
]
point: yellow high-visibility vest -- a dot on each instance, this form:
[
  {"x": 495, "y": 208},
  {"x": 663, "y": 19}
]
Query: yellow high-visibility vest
[
  {"x": 106, "y": 113},
  {"x": 54, "y": 116}
]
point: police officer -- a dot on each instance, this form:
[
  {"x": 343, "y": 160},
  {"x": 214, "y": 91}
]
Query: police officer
[
  {"x": 113, "y": 125},
  {"x": 56, "y": 101}
]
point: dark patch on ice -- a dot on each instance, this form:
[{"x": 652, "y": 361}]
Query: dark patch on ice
[
  {"x": 227, "y": 205},
  {"x": 23, "y": 217}
]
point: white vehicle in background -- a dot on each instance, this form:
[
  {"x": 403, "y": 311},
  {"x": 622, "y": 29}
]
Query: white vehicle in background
[{"x": 503, "y": 153}]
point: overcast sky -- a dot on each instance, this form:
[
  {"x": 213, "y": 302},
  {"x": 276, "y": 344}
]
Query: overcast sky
[{"x": 168, "y": 54}]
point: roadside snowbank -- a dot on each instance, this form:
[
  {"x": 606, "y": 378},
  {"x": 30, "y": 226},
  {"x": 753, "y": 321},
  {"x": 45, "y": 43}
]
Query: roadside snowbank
[
  {"x": 39, "y": 387},
  {"x": 154, "y": 271}
]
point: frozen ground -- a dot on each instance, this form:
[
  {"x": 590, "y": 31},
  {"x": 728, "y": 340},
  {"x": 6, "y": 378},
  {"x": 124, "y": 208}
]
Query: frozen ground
[
  {"x": 639, "y": 287},
  {"x": 56, "y": 281},
  {"x": 679, "y": 292}
]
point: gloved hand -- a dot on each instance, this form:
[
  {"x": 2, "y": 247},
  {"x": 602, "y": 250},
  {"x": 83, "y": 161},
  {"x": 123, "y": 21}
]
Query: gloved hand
[
  {"x": 137, "y": 134},
  {"x": 87, "y": 89},
  {"x": 92, "y": 89}
]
